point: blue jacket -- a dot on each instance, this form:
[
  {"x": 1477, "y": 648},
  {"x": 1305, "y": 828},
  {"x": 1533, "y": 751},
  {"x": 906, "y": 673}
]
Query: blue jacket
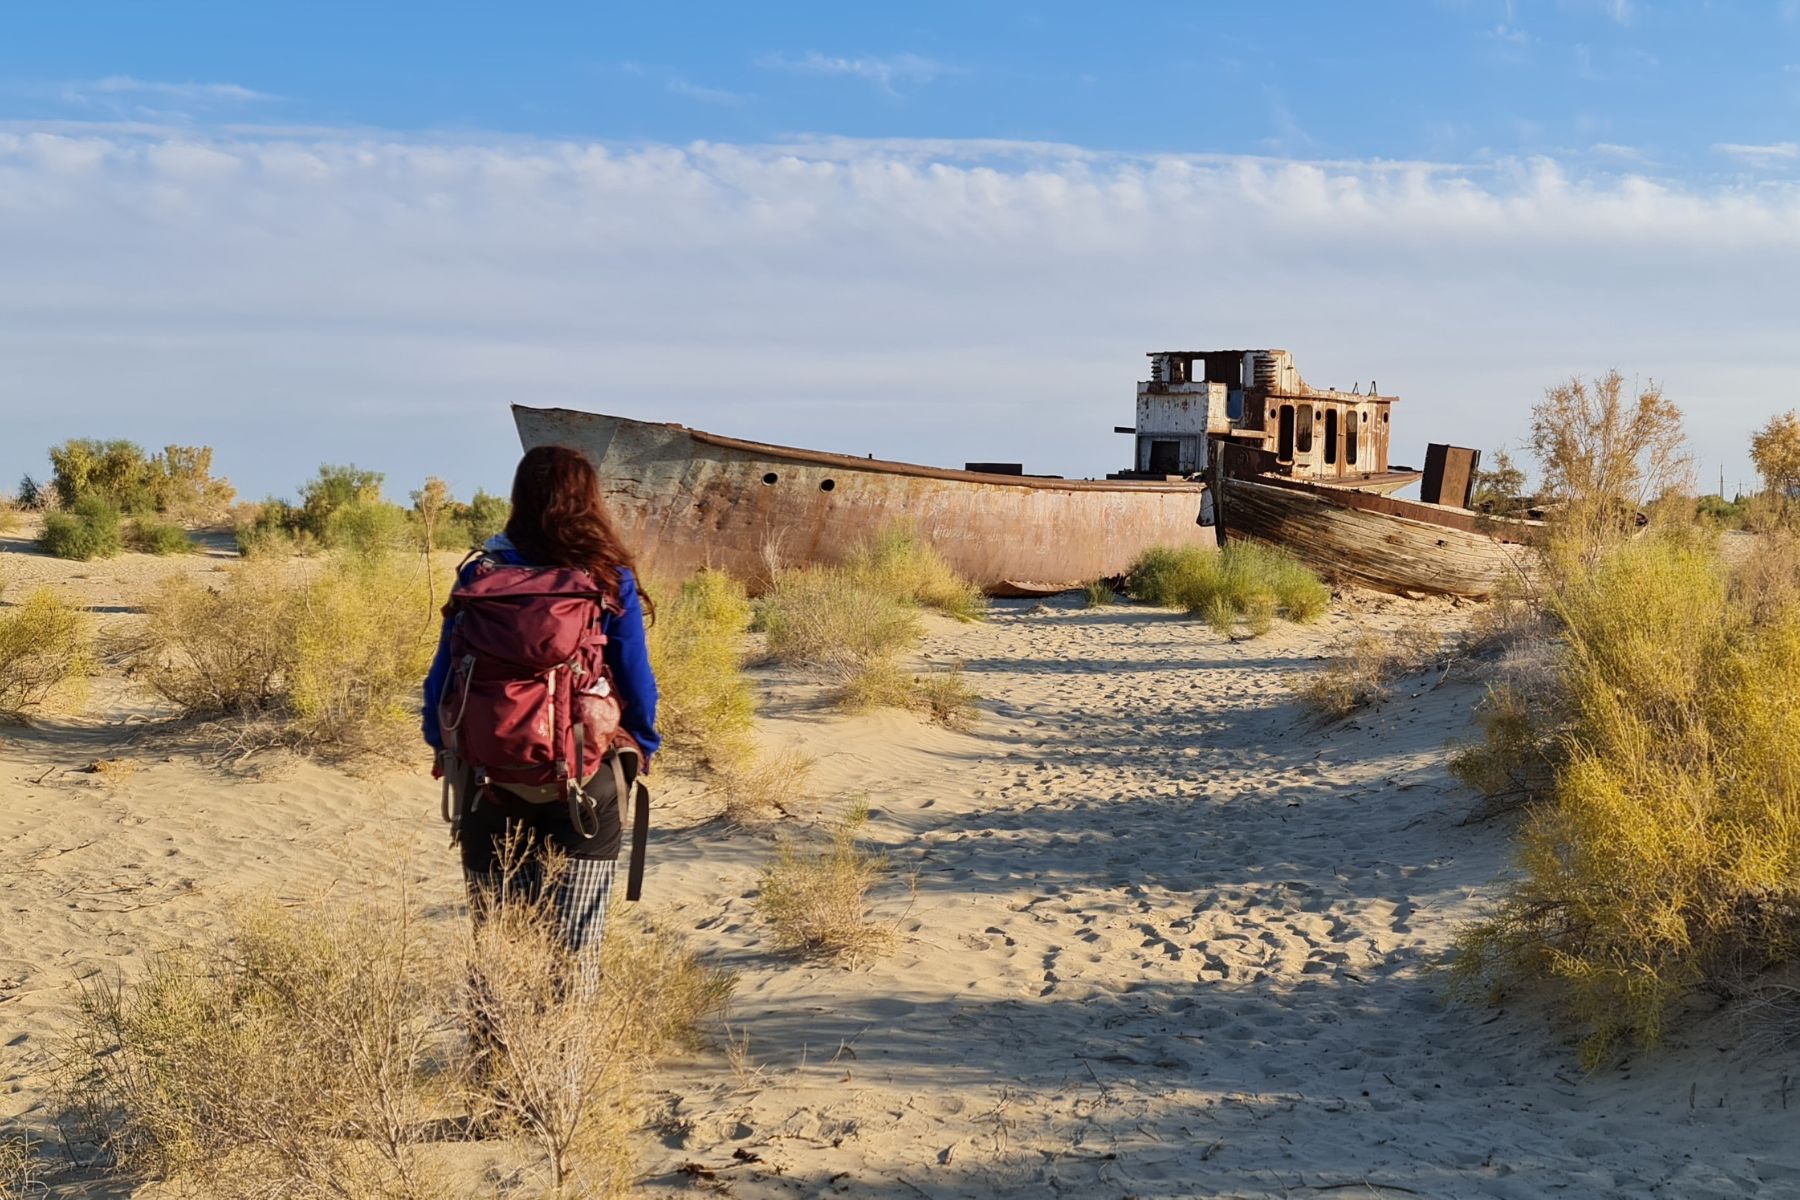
[{"x": 626, "y": 654}]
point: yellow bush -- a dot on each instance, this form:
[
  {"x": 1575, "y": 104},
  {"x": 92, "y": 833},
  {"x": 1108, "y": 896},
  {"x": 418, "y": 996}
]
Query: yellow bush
[
  {"x": 697, "y": 648},
  {"x": 337, "y": 655},
  {"x": 217, "y": 651},
  {"x": 897, "y": 562},
  {"x": 363, "y": 640},
  {"x": 46, "y": 648},
  {"x": 815, "y": 898},
  {"x": 321, "y": 1050},
  {"x": 1673, "y": 829}
]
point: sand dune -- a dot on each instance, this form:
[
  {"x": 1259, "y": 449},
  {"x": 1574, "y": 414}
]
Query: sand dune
[{"x": 1169, "y": 937}]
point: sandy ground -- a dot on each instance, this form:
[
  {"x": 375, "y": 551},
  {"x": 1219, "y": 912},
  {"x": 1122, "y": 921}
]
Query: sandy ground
[{"x": 1170, "y": 937}]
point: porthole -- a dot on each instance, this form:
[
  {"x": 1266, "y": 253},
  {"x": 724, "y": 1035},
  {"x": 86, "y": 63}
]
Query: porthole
[
  {"x": 771, "y": 477},
  {"x": 825, "y": 485}
]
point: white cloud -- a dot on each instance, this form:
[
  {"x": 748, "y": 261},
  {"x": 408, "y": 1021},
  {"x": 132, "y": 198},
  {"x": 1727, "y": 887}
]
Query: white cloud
[
  {"x": 1615, "y": 151},
  {"x": 882, "y": 72},
  {"x": 677, "y": 86},
  {"x": 1759, "y": 156},
  {"x": 120, "y": 86},
  {"x": 296, "y": 299}
]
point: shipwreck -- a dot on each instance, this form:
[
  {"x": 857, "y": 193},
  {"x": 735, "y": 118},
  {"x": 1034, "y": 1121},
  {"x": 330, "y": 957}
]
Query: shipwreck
[
  {"x": 1230, "y": 443},
  {"x": 1306, "y": 469}
]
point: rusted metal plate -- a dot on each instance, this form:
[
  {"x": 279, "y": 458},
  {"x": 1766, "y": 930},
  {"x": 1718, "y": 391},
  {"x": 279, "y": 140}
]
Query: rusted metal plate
[
  {"x": 1449, "y": 475},
  {"x": 686, "y": 500}
]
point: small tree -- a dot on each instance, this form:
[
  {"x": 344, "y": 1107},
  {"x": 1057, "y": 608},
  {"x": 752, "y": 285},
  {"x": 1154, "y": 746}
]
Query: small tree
[
  {"x": 1500, "y": 486},
  {"x": 488, "y": 515},
  {"x": 430, "y": 503},
  {"x": 334, "y": 488},
  {"x": 115, "y": 470},
  {"x": 1606, "y": 456},
  {"x": 1775, "y": 449}
]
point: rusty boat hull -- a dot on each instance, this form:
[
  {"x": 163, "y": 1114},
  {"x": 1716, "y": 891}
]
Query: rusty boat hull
[
  {"x": 1402, "y": 546},
  {"x": 686, "y": 500}
]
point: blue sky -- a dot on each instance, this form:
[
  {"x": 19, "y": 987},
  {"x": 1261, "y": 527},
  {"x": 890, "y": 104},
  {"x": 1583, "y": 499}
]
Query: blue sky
[{"x": 936, "y": 231}]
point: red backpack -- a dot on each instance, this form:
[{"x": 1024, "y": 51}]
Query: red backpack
[{"x": 529, "y": 705}]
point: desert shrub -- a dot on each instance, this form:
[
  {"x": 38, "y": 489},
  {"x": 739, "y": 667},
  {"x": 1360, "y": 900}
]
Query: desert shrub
[
  {"x": 1499, "y": 487},
  {"x": 825, "y": 618},
  {"x": 364, "y": 639},
  {"x": 316, "y": 1050},
  {"x": 943, "y": 697},
  {"x": 218, "y": 650},
  {"x": 1604, "y": 456},
  {"x": 90, "y": 530},
  {"x": 337, "y": 656},
  {"x": 271, "y": 528},
  {"x": 484, "y": 516},
  {"x": 1244, "y": 580},
  {"x": 815, "y": 897},
  {"x": 159, "y": 538},
  {"x": 368, "y": 529},
  {"x": 1667, "y": 854},
  {"x": 1363, "y": 669},
  {"x": 32, "y": 496},
  {"x": 181, "y": 483},
  {"x": 565, "y": 1070},
  {"x": 1775, "y": 449},
  {"x": 46, "y": 647},
  {"x": 697, "y": 649},
  {"x": 1098, "y": 593},
  {"x": 282, "y": 1060},
  {"x": 897, "y": 562},
  {"x": 115, "y": 471},
  {"x": 759, "y": 785},
  {"x": 335, "y": 487},
  {"x": 1720, "y": 513},
  {"x": 1767, "y": 579}
]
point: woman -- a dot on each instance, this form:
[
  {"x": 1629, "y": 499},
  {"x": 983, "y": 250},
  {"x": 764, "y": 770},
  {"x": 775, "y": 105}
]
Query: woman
[{"x": 558, "y": 520}]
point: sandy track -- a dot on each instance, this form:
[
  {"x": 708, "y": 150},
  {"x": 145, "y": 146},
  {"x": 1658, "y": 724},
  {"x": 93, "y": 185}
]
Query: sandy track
[{"x": 1169, "y": 938}]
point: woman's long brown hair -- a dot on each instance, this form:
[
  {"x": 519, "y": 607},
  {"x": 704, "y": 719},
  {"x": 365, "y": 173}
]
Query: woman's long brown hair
[{"x": 558, "y": 519}]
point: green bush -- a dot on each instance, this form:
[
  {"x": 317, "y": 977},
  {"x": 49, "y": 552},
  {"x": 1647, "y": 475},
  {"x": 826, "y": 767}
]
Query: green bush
[
  {"x": 160, "y": 538},
  {"x": 1098, "y": 594},
  {"x": 1245, "y": 580},
  {"x": 115, "y": 471},
  {"x": 898, "y": 563},
  {"x": 368, "y": 529},
  {"x": 333, "y": 488},
  {"x": 484, "y": 515},
  {"x": 91, "y": 530},
  {"x": 1667, "y": 855}
]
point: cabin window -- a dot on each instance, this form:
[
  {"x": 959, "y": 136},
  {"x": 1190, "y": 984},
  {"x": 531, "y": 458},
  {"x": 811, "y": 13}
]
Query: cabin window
[
  {"x": 1284, "y": 446},
  {"x": 1165, "y": 458},
  {"x": 771, "y": 477},
  {"x": 1331, "y": 434},
  {"x": 826, "y": 485},
  {"x": 1350, "y": 440},
  {"x": 1303, "y": 435}
]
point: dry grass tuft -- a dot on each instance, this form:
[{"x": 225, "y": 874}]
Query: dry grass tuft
[
  {"x": 898, "y": 563},
  {"x": 815, "y": 899},
  {"x": 1244, "y": 581},
  {"x": 1098, "y": 593},
  {"x": 19, "y": 1164},
  {"x": 1362, "y": 671},
  {"x": 758, "y": 786},
  {"x": 113, "y": 770},
  {"x": 943, "y": 697},
  {"x": 46, "y": 653}
]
